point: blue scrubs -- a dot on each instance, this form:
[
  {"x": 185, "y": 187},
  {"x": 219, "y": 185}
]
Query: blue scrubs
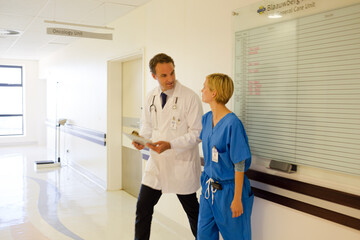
[{"x": 230, "y": 140}]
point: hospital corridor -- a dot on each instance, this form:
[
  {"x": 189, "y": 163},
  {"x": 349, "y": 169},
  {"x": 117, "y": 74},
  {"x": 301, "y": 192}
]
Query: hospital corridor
[
  {"x": 79, "y": 77},
  {"x": 60, "y": 203}
]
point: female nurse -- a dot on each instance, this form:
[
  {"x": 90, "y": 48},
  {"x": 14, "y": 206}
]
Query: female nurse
[{"x": 226, "y": 198}]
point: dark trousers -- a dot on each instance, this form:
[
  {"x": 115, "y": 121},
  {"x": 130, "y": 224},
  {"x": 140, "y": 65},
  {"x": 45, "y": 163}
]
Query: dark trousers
[{"x": 148, "y": 198}]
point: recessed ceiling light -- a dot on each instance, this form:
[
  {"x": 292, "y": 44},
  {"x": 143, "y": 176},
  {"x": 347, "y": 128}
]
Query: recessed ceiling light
[
  {"x": 7, "y": 32},
  {"x": 276, "y": 15}
]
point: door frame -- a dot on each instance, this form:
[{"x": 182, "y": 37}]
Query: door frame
[{"x": 114, "y": 116}]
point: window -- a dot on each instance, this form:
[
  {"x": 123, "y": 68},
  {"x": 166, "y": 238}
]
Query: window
[
  {"x": 11, "y": 101},
  {"x": 297, "y": 90}
]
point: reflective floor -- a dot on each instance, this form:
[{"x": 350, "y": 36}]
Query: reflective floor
[{"x": 59, "y": 203}]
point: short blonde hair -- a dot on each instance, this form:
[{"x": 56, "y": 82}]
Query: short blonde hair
[{"x": 223, "y": 85}]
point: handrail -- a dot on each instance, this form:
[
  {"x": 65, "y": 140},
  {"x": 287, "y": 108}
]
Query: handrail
[{"x": 81, "y": 132}]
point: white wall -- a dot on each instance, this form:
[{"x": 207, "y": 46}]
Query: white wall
[
  {"x": 271, "y": 221},
  {"x": 34, "y": 108},
  {"x": 198, "y": 35}
]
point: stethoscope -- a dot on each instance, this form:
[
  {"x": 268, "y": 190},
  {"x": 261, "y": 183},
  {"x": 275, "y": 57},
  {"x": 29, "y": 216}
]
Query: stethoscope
[{"x": 153, "y": 107}]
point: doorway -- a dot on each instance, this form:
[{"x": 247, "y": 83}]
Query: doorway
[
  {"x": 131, "y": 113},
  {"x": 125, "y": 99}
]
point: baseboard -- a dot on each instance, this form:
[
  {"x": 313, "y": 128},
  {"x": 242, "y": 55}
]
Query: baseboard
[{"x": 87, "y": 174}]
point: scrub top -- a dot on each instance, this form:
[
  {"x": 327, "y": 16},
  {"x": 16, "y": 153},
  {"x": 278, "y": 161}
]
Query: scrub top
[
  {"x": 231, "y": 142},
  {"x": 215, "y": 215}
]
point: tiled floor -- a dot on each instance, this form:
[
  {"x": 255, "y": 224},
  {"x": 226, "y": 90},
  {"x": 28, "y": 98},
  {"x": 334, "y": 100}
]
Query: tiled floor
[{"x": 59, "y": 203}]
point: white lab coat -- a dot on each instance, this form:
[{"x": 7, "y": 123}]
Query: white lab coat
[{"x": 176, "y": 170}]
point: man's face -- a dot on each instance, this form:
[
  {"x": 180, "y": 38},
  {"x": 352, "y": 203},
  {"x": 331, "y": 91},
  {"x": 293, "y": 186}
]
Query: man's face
[{"x": 165, "y": 74}]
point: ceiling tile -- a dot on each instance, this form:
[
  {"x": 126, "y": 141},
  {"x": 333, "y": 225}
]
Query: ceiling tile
[
  {"x": 21, "y": 7},
  {"x": 69, "y": 10},
  {"x": 106, "y": 13},
  {"x": 12, "y": 22},
  {"x": 28, "y": 17},
  {"x": 6, "y": 42}
]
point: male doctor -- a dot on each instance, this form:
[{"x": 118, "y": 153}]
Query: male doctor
[{"x": 172, "y": 120}]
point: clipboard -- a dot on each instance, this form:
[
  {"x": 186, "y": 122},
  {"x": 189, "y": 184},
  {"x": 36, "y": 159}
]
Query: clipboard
[{"x": 138, "y": 139}]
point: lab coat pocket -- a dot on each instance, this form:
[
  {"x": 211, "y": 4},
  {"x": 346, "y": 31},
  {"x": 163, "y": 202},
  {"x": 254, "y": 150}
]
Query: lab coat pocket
[
  {"x": 151, "y": 167},
  {"x": 182, "y": 155},
  {"x": 183, "y": 170}
]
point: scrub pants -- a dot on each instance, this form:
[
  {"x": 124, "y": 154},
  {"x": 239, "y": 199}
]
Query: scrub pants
[
  {"x": 148, "y": 198},
  {"x": 216, "y": 216}
]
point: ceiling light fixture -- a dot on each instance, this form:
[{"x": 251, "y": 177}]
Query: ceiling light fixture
[
  {"x": 7, "y": 32},
  {"x": 275, "y": 15},
  {"x": 78, "y": 25}
]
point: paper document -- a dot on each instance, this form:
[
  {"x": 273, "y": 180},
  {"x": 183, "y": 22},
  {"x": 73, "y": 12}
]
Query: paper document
[{"x": 138, "y": 139}]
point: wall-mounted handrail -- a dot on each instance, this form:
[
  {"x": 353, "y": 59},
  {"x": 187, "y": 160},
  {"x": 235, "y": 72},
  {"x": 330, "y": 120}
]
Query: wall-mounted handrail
[{"x": 81, "y": 132}]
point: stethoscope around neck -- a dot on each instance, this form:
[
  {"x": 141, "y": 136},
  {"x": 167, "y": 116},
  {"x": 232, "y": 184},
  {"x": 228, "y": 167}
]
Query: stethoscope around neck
[{"x": 153, "y": 107}]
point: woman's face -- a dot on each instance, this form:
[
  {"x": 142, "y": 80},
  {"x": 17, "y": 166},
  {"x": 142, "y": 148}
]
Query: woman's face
[{"x": 207, "y": 94}]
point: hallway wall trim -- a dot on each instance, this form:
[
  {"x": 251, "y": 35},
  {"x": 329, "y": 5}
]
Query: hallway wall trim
[
  {"x": 342, "y": 198},
  {"x": 81, "y": 132}
]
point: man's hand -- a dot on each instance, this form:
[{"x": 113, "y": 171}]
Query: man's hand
[
  {"x": 138, "y": 146},
  {"x": 159, "y": 146}
]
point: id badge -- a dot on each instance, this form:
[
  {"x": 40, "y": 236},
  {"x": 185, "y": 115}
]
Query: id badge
[
  {"x": 173, "y": 123},
  {"x": 215, "y": 155}
]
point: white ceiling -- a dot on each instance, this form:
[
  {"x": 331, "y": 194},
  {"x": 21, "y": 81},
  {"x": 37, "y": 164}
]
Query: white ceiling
[{"x": 27, "y": 16}]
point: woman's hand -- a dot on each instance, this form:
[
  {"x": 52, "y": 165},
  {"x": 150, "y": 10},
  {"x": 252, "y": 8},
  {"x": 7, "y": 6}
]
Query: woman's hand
[
  {"x": 236, "y": 205},
  {"x": 236, "y": 208}
]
